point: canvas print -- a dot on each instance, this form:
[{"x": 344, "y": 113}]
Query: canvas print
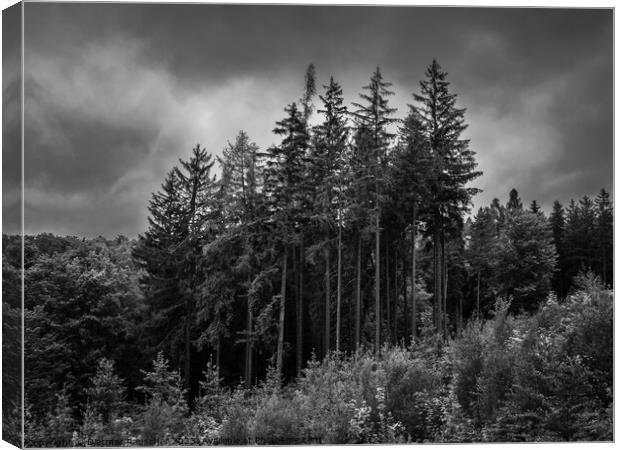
[{"x": 306, "y": 224}]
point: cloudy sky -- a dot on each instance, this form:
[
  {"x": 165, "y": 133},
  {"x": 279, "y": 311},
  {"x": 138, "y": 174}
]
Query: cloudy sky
[{"x": 116, "y": 93}]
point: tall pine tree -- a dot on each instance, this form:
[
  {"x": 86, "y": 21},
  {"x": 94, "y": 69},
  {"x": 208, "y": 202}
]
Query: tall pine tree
[
  {"x": 453, "y": 167},
  {"x": 374, "y": 117}
]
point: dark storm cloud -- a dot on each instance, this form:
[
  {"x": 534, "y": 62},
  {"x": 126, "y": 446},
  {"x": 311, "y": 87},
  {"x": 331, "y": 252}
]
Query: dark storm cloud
[
  {"x": 11, "y": 123},
  {"x": 116, "y": 93}
]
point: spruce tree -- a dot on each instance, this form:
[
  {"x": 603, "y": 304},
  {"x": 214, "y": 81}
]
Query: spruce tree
[
  {"x": 482, "y": 254},
  {"x": 453, "y": 167},
  {"x": 286, "y": 194},
  {"x": 240, "y": 163},
  {"x": 170, "y": 252},
  {"x": 557, "y": 221},
  {"x": 514, "y": 201},
  {"x": 605, "y": 235},
  {"x": 360, "y": 208},
  {"x": 374, "y": 117},
  {"x": 527, "y": 259},
  {"x": 330, "y": 140},
  {"x": 411, "y": 163}
]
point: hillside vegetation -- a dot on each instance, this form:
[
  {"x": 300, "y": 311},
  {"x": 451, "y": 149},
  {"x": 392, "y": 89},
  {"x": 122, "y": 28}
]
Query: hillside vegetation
[{"x": 544, "y": 377}]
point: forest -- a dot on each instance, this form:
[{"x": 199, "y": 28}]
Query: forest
[{"x": 334, "y": 288}]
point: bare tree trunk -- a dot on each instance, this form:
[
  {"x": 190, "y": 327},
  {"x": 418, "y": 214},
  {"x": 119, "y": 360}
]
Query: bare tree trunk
[
  {"x": 358, "y": 293},
  {"x": 327, "y": 304},
  {"x": 188, "y": 346},
  {"x": 395, "y": 299},
  {"x": 387, "y": 286},
  {"x": 437, "y": 281},
  {"x": 478, "y": 298},
  {"x": 218, "y": 351},
  {"x": 280, "y": 348},
  {"x": 444, "y": 287},
  {"x": 460, "y": 316},
  {"x": 377, "y": 285},
  {"x": 414, "y": 306},
  {"x": 445, "y": 302},
  {"x": 248, "y": 342},
  {"x": 405, "y": 299},
  {"x": 339, "y": 288},
  {"x": 300, "y": 309},
  {"x": 295, "y": 276}
]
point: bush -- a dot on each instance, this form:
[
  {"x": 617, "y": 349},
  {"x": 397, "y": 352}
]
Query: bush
[
  {"x": 236, "y": 426},
  {"x": 162, "y": 419},
  {"x": 277, "y": 420}
]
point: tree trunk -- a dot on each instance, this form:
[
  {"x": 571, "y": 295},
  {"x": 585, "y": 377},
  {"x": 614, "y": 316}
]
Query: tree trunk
[
  {"x": 387, "y": 287},
  {"x": 395, "y": 299},
  {"x": 377, "y": 285},
  {"x": 339, "y": 289},
  {"x": 478, "y": 298},
  {"x": 405, "y": 298},
  {"x": 280, "y": 348},
  {"x": 444, "y": 287},
  {"x": 218, "y": 352},
  {"x": 188, "y": 345},
  {"x": 295, "y": 276},
  {"x": 437, "y": 281},
  {"x": 460, "y": 316},
  {"x": 414, "y": 306},
  {"x": 358, "y": 293},
  {"x": 327, "y": 304},
  {"x": 445, "y": 302},
  {"x": 300, "y": 309},
  {"x": 248, "y": 342}
]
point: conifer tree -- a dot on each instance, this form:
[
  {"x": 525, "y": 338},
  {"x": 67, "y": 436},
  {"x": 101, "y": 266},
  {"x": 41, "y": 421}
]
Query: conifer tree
[
  {"x": 374, "y": 117},
  {"x": 309, "y": 92},
  {"x": 453, "y": 167},
  {"x": 106, "y": 395},
  {"x": 482, "y": 252},
  {"x": 581, "y": 255},
  {"x": 526, "y": 260},
  {"x": 359, "y": 192},
  {"x": 170, "y": 251},
  {"x": 604, "y": 235},
  {"x": 330, "y": 139},
  {"x": 284, "y": 186},
  {"x": 240, "y": 161},
  {"x": 165, "y": 411},
  {"x": 557, "y": 221},
  {"x": 412, "y": 161},
  {"x": 308, "y": 108},
  {"x": 514, "y": 201}
]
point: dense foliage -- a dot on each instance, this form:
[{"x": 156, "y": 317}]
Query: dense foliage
[
  {"x": 329, "y": 287},
  {"x": 541, "y": 377}
]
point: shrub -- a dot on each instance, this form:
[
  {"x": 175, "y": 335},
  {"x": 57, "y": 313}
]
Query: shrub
[
  {"x": 277, "y": 420},
  {"x": 236, "y": 427},
  {"x": 162, "y": 420}
]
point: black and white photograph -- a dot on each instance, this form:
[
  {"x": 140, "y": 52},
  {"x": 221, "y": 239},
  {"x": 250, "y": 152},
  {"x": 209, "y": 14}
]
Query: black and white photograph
[{"x": 306, "y": 224}]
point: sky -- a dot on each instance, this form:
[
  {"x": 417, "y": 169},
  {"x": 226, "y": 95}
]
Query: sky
[{"x": 115, "y": 94}]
